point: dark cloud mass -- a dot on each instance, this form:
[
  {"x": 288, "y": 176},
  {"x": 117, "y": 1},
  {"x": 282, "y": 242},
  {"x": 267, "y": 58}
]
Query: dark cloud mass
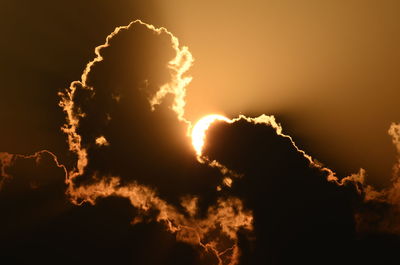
[
  {"x": 299, "y": 215},
  {"x": 126, "y": 148},
  {"x": 133, "y": 191},
  {"x": 296, "y": 209}
]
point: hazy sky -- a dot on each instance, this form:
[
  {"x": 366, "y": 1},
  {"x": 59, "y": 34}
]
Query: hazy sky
[{"x": 327, "y": 69}]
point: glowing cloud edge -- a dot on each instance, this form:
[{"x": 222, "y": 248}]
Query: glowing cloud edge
[
  {"x": 199, "y": 130},
  {"x": 144, "y": 198}
]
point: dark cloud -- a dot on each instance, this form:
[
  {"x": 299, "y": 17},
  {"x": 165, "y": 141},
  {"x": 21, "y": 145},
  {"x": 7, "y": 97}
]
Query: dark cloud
[
  {"x": 299, "y": 215},
  {"x": 129, "y": 148},
  {"x": 46, "y": 44},
  {"x": 134, "y": 192},
  {"x": 144, "y": 145}
]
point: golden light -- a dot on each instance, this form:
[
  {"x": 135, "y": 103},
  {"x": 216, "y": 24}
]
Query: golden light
[{"x": 200, "y": 128}]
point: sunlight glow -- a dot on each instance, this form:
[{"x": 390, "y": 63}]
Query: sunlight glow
[{"x": 200, "y": 128}]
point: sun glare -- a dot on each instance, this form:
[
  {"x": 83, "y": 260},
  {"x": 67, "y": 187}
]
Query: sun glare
[{"x": 199, "y": 130}]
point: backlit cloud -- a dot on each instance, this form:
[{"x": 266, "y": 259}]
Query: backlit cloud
[
  {"x": 104, "y": 172},
  {"x": 243, "y": 177}
]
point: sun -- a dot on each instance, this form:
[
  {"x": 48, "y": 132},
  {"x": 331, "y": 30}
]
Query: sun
[{"x": 200, "y": 128}]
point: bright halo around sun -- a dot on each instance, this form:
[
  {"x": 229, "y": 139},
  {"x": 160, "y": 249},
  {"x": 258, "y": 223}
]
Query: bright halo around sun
[{"x": 199, "y": 130}]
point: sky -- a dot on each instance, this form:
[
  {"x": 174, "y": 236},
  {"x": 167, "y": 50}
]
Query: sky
[
  {"x": 327, "y": 68},
  {"x": 96, "y": 158}
]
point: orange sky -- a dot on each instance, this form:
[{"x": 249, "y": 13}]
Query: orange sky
[{"x": 327, "y": 68}]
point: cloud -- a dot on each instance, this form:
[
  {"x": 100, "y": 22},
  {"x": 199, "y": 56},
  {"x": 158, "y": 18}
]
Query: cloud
[
  {"x": 381, "y": 214},
  {"x": 125, "y": 126},
  {"x": 101, "y": 141},
  {"x": 295, "y": 207},
  {"x": 251, "y": 196},
  {"x": 133, "y": 95},
  {"x": 7, "y": 160},
  {"x": 297, "y": 202}
]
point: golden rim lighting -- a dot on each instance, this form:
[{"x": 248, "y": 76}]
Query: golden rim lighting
[{"x": 199, "y": 130}]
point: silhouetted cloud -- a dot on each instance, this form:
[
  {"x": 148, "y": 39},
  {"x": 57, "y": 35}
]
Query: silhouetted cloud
[
  {"x": 301, "y": 207},
  {"x": 249, "y": 196}
]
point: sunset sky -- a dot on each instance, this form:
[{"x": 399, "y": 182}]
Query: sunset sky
[{"x": 101, "y": 162}]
